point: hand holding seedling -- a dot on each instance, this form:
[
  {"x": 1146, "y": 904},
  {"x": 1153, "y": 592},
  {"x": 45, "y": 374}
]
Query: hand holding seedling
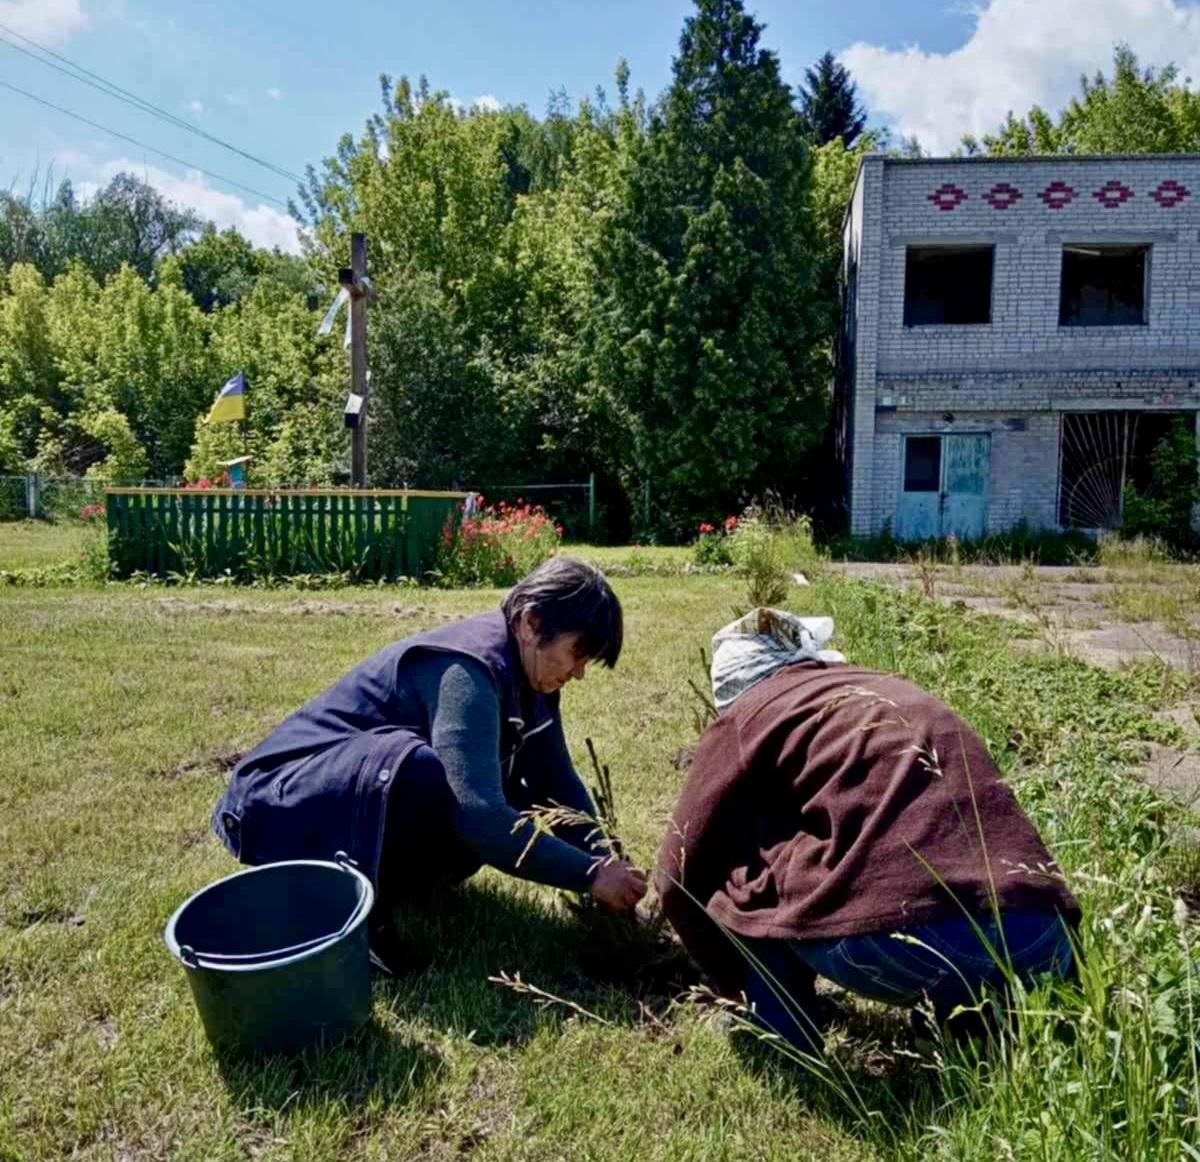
[{"x": 618, "y": 885}]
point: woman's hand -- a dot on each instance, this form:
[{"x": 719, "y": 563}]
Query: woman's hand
[{"x": 618, "y": 886}]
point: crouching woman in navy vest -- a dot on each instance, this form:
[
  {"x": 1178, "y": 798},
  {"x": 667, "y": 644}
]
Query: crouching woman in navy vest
[{"x": 418, "y": 762}]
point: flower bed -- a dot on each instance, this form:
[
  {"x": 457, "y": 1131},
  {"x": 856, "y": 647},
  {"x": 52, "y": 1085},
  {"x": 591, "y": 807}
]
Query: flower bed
[{"x": 496, "y": 544}]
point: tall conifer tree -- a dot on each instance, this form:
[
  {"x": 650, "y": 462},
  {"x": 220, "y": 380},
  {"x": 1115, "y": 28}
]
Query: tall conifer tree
[
  {"x": 712, "y": 280},
  {"x": 829, "y": 104}
]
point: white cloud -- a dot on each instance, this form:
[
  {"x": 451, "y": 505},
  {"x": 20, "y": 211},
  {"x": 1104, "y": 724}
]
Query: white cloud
[
  {"x": 46, "y": 21},
  {"x": 66, "y": 159},
  {"x": 196, "y": 106},
  {"x": 487, "y": 102},
  {"x": 237, "y": 100},
  {"x": 275, "y": 94},
  {"x": 261, "y": 223},
  {"x": 1021, "y": 53}
]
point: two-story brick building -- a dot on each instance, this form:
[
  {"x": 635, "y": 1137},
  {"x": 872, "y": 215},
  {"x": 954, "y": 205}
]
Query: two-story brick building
[{"x": 1018, "y": 335}]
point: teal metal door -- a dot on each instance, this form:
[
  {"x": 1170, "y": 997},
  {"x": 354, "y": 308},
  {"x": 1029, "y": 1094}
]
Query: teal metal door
[
  {"x": 965, "y": 464},
  {"x": 943, "y": 489}
]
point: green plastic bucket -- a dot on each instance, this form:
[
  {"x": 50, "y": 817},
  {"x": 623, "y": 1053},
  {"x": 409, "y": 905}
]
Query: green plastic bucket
[{"x": 277, "y": 956}]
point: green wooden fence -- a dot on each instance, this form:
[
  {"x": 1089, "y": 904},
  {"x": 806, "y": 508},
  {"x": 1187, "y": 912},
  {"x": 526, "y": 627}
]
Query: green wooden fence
[{"x": 376, "y": 534}]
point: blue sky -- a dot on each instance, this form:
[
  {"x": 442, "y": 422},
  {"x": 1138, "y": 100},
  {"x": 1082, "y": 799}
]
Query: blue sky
[{"x": 283, "y": 79}]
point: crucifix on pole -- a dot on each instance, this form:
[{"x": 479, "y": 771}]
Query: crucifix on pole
[{"x": 354, "y": 281}]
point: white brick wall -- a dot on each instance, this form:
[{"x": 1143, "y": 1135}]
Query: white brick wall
[{"x": 1022, "y": 364}]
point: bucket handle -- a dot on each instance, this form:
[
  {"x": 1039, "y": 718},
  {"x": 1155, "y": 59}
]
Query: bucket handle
[{"x": 192, "y": 958}]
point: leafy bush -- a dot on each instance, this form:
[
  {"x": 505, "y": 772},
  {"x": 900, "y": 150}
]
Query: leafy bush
[
  {"x": 12, "y": 498},
  {"x": 1167, "y": 514},
  {"x": 496, "y": 545},
  {"x": 770, "y": 544},
  {"x": 712, "y": 544}
]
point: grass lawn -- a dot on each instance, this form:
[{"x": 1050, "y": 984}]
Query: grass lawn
[
  {"x": 35, "y": 544},
  {"x": 120, "y": 707}
]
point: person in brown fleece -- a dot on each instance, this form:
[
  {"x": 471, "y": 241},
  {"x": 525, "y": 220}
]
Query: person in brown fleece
[{"x": 844, "y": 823}]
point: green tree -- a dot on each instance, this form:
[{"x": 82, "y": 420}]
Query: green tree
[
  {"x": 457, "y": 349},
  {"x": 129, "y": 223},
  {"x": 829, "y": 105},
  {"x": 22, "y": 234},
  {"x": 294, "y": 390},
  {"x": 222, "y": 267},
  {"x": 1135, "y": 110},
  {"x": 834, "y": 170},
  {"x": 26, "y": 360},
  {"x": 1168, "y": 509},
  {"x": 213, "y": 445},
  {"x": 711, "y": 270},
  {"x": 73, "y": 314},
  {"x": 121, "y": 459},
  {"x": 218, "y": 268},
  {"x": 152, "y": 363}
]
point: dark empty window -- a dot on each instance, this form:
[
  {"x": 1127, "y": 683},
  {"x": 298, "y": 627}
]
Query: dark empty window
[
  {"x": 1103, "y": 286},
  {"x": 922, "y": 463},
  {"x": 947, "y": 285}
]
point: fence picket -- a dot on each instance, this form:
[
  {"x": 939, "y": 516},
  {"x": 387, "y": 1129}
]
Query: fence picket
[{"x": 377, "y": 534}]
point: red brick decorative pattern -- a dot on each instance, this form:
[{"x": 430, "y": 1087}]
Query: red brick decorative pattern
[
  {"x": 948, "y": 196},
  {"x": 1057, "y": 195},
  {"x": 1002, "y": 195},
  {"x": 1113, "y": 194},
  {"x": 1170, "y": 193}
]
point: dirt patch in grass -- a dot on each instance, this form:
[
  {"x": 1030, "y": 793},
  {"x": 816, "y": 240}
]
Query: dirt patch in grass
[
  {"x": 1111, "y": 646},
  {"x": 50, "y": 914},
  {"x": 218, "y": 761},
  {"x": 1174, "y": 771}
]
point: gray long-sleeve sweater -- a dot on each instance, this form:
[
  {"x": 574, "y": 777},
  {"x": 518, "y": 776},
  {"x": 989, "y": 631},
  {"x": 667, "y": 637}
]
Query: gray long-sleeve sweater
[{"x": 462, "y": 721}]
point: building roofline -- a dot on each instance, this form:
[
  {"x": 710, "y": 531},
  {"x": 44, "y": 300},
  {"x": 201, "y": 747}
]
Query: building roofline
[{"x": 1025, "y": 158}]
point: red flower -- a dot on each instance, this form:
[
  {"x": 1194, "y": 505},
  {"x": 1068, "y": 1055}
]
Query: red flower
[
  {"x": 731, "y": 523},
  {"x": 706, "y": 528}
]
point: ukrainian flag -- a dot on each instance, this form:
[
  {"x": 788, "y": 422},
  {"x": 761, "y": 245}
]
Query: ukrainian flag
[{"x": 230, "y": 403}]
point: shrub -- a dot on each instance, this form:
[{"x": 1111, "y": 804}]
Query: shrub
[
  {"x": 1166, "y": 515},
  {"x": 769, "y": 544},
  {"x": 496, "y": 545},
  {"x": 712, "y": 544}
]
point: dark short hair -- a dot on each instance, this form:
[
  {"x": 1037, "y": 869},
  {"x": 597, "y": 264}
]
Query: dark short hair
[{"x": 567, "y": 595}]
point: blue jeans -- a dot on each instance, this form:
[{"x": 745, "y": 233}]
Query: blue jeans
[{"x": 945, "y": 962}]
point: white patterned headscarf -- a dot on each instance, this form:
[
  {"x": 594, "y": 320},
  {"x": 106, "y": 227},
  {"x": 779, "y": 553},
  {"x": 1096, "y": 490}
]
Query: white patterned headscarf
[{"x": 755, "y": 646}]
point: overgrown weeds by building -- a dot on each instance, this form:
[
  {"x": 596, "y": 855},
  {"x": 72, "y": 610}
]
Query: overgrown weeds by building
[{"x": 768, "y": 545}]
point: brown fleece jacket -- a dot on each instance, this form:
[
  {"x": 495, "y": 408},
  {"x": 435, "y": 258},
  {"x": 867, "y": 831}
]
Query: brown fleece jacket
[{"x": 831, "y": 801}]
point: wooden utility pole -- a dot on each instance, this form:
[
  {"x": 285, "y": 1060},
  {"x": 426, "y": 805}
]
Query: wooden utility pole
[{"x": 354, "y": 279}]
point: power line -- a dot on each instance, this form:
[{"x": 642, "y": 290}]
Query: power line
[
  {"x": 142, "y": 145},
  {"x": 114, "y": 90}
]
